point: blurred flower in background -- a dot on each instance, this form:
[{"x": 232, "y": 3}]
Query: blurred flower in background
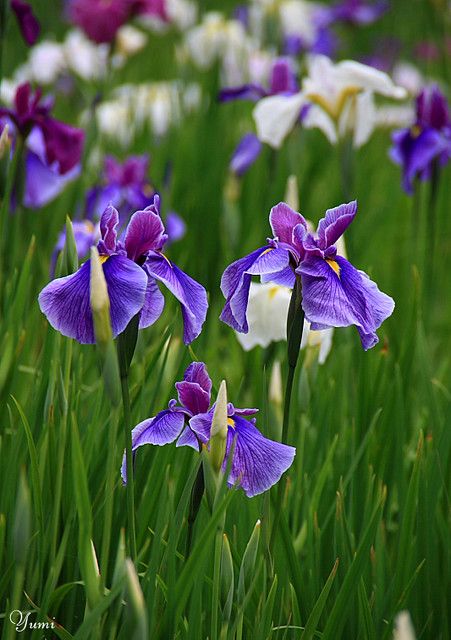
[{"x": 28, "y": 23}]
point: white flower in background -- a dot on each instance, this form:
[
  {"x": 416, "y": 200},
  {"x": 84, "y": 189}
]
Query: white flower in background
[
  {"x": 341, "y": 99},
  {"x": 217, "y": 38},
  {"x": 130, "y": 40},
  {"x": 114, "y": 121},
  {"x": 8, "y": 90},
  {"x": 181, "y": 13},
  {"x": 297, "y": 19},
  {"x": 408, "y": 76},
  {"x": 86, "y": 59},
  {"x": 267, "y": 313},
  {"x": 46, "y": 62},
  {"x": 395, "y": 116},
  {"x": 403, "y": 627}
]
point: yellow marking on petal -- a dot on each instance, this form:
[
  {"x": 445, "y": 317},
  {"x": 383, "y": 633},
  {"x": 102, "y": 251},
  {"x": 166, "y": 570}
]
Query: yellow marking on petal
[
  {"x": 266, "y": 251},
  {"x": 231, "y": 422},
  {"x": 103, "y": 259},
  {"x": 89, "y": 226},
  {"x": 273, "y": 292},
  {"x": 334, "y": 265},
  {"x": 334, "y": 108},
  {"x": 415, "y": 131}
]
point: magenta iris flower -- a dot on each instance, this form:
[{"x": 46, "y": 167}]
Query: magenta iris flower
[
  {"x": 63, "y": 144},
  {"x": 427, "y": 142},
  {"x": 334, "y": 292},
  {"x": 132, "y": 268},
  {"x": 28, "y": 23},
  {"x": 257, "y": 463}
]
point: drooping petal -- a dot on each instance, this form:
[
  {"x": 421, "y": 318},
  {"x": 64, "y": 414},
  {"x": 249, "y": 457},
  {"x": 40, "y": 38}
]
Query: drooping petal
[
  {"x": 275, "y": 116},
  {"x": 236, "y": 280},
  {"x": 283, "y": 219},
  {"x": 63, "y": 143},
  {"x": 258, "y": 463},
  {"x": 160, "y": 430},
  {"x": 201, "y": 425},
  {"x": 245, "y": 154},
  {"x": 191, "y": 295},
  {"x": 336, "y": 294},
  {"x": 153, "y": 304},
  {"x": 42, "y": 183},
  {"x": 108, "y": 225},
  {"x": 362, "y": 75},
  {"x": 335, "y": 223},
  {"x": 188, "y": 439},
  {"x": 145, "y": 232},
  {"x": 66, "y": 302},
  {"x": 318, "y": 118},
  {"x": 251, "y": 92}
]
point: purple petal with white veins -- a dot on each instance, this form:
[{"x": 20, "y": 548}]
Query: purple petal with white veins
[
  {"x": 258, "y": 463},
  {"x": 160, "y": 430},
  {"x": 201, "y": 425},
  {"x": 197, "y": 372},
  {"x": 336, "y": 294},
  {"x": 145, "y": 232},
  {"x": 153, "y": 304},
  {"x": 188, "y": 439},
  {"x": 236, "y": 281},
  {"x": 283, "y": 219},
  {"x": 335, "y": 223},
  {"x": 193, "y": 397},
  {"x": 245, "y": 154},
  {"x": 108, "y": 225},
  {"x": 284, "y": 278},
  {"x": 191, "y": 295},
  {"x": 66, "y": 301}
]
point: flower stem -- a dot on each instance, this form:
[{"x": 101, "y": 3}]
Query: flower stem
[
  {"x": 194, "y": 504},
  {"x": 295, "y": 327},
  {"x": 126, "y": 347},
  {"x": 130, "y": 487}
]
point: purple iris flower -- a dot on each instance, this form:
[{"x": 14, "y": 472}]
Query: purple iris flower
[
  {"x": 257, "y": 463},
  {"x": 325, "y": 43},
  {"x": 245, "y": 154},
  {"x": 428, "y": 141},
  {"x": 282, "y": 80},
  {"x": 28, "y": 23},
  {"x": 334, "y": 293},
  {"x": 355, "y": 12},
  {"x": 63, "y": 144},
  {"x": 85, "y": 236},
  {"x": 132, "y": 268},
  {"x": 125, "y": 185}
]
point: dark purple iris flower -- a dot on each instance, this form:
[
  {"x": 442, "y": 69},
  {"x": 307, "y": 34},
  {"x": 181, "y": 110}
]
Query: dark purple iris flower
[
  {"x": 257, "y": 463},
  {"x": 132, "y": 269},
  {"x": 63, "y": 144},
  {"x": 334, "y": 293},
  {"x": 282, "y": 80},
  {"x": 28, "y": 23},
  {"x": 101, "y": 19},
  {"x": 428, "y": 141}
]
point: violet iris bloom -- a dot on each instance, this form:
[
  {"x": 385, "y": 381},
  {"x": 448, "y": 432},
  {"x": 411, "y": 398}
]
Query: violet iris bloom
[
  {"x": 355, "y": 12},
  {"x": 334, "y": 293},
  {"x": 257, "y": 463},
  {"x": 132, "y": 269},
  {"x": 282, "y": 80},
  {"x": 125, "y": 185},
  {"x": 427, "y": 142},
  {"x": 245, "y": 154},
  {"x": 63, "y": 144},
  {"x": 28, "y": 23}
]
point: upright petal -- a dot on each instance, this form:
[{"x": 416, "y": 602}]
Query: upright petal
[
  {"x": 258, "y": 463},
  {"x": 197, "y": 372},
  {"x": 66, "y": 304},
  {"x": 191, "y": 295},
  {"x": 336, "y": 294},
  {"x": 275, "y": 116},
  {"x": 236, "y": 280},
  {"x": 108, "y": 225},
  {"x": 63, "y": 143},
  {"x": 335, "y": 223},
  {"x": 145, "y": 232},
  {"x": 283, "y": 78},
  {"x": 28, "y": 23},
  {"x": 283, "y": 219}
]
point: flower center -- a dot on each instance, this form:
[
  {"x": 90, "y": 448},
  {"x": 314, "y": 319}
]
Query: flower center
[
  {"x": 231, "y": 422},
  {"x": 333, "y": 264}
]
